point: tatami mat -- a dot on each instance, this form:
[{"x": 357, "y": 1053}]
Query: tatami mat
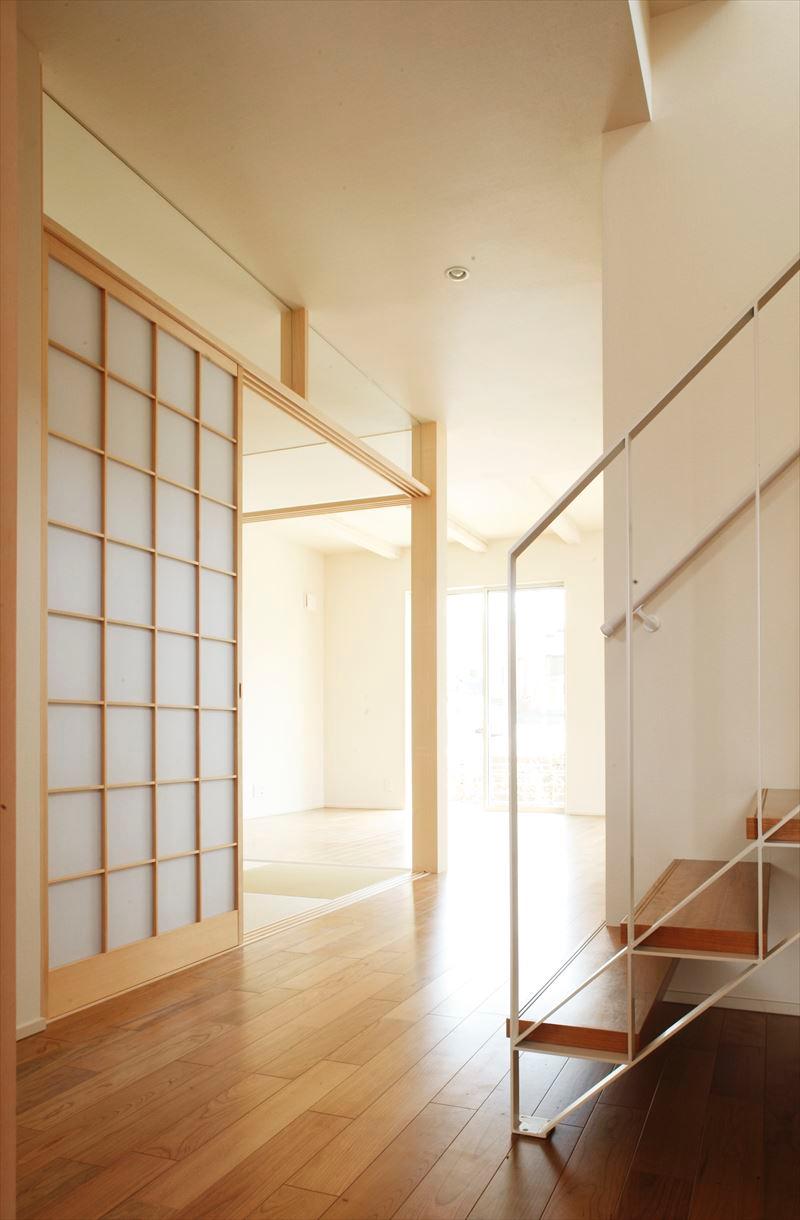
[{"x": 313, "y": 880}]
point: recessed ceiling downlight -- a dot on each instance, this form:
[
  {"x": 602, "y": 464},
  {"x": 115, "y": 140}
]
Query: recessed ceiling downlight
[{"x": 457, "y": 273}]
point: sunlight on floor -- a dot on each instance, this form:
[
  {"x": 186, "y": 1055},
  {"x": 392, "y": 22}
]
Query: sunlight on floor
[{"x": 562, "y": 873}]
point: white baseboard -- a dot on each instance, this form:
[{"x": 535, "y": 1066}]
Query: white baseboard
[
  {"x": 782, "y": 1008},
  {"x": 31, "y": 1027}
]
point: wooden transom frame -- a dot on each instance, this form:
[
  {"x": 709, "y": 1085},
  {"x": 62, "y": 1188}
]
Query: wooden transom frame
[{"x": 256, "y": 379}]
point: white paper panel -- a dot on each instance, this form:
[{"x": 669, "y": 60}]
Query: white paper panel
[
  {"x": 217, "y": 467},
  {"x": 176, "y": 373},
  {"x": 74, "y": 311},
  {"x": 217, "y": 687},
  {"x": 74, "y": 833},
  {"x": 218, "y": 882},
  {"x": 130, "y": 344},
  {"x": 130, "y": 906},
  {"x": 216, "y": 535},
  {"x": 217, "y": 812},
  {"x": 217, "y": 604},
  {"x": 176, "y": 521},
  {"x": 74, "y": 566},
  {"x": 177, "y": 752},
  {"x": 176, "y": 818},
  {"x": 74, "y": 654},
  {"x": 177, "y": 447},
  {"x": 177, "y": 669},
  {"x": 130, "y": 744},
  {"x": 129, "y": 587},
  {"x": 217, "y": 395},
  {"x": 130, "y": 825},
  {"x": 177, "y": 893},
  {"x": 74, "y": 485},
  {"x": 177, "y": 597},
  {"x": 130, "y": 425},
  {"x": 74, "y": 398},
  {"x": 217, "y": 753},
  {"x": 75, "y": 920},
  {"x": 130, "y": 504},
  {"x": 129, "y": 657},
  {"x": 73, "y": 747}
]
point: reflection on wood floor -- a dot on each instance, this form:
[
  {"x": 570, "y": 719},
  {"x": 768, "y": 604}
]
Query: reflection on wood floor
[{"x": 356, "y": 1067}]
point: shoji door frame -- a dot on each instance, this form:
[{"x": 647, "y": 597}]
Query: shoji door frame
[
  {"x": 113, "y": 971},
  {"x": 9, "y": 308}
]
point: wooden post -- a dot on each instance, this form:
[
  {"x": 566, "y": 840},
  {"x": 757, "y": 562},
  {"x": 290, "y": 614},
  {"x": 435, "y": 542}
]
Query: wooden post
[
  {"x": 8, "y": 599},
  {"x": 294, "y": 350},
  {"x": 428, "y": 653}
]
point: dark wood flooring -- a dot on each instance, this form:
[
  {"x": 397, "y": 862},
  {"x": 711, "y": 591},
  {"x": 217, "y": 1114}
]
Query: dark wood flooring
[{"x": 356, "y": 1068}]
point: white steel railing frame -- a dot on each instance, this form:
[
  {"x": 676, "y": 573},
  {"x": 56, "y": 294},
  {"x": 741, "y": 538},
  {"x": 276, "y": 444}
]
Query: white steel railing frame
[
  {"x": 536, "y": 1125},
  {"x": 540, "y": 1127},
  {"x": 640, "y": 940},
  {"x": 611, "y": 626}
]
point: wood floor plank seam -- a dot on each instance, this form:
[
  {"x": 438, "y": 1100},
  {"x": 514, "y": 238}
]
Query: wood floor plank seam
[
  {"x": 343, "y": 1208},
  {"x": 694, "y": 1182},
  {"x": 641, "y": 1134}
]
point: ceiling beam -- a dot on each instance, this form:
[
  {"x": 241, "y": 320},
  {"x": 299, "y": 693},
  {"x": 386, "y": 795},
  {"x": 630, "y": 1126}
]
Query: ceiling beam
[
  {"x": 566, "y": 529},
  {"x": 456, "y": 532},
  {"x": 368, "y": 542},
  {"x": 323, "y": 508},
  {"x": 563, "y": 526}
]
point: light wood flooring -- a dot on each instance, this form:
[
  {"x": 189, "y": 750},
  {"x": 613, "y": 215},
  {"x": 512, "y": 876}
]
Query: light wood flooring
[
  {"x": 356, "y": 1067},
  {"x": 376, "y": 838}
]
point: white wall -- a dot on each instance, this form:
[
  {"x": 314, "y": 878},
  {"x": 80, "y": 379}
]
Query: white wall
[
  {"x": 283, "y": 674},
  {"x": 98, "y": 198},
  {"x": 364, "y": 694},
  {"x": 364, "y": 680},
  {"x": 29, "y": 1007},
  {"x": 700, "y": 212}
]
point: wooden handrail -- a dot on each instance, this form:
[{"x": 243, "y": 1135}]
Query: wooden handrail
[{"x": 613, "y": 625}]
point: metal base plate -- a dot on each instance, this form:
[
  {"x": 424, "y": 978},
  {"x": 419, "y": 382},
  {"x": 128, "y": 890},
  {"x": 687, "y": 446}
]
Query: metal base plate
[{"x": 534, "y": 1126}]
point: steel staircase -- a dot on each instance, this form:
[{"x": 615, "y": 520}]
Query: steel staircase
[{"x": 601, "y": 1002}]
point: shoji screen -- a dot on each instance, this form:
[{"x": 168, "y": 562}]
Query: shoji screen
[{"x": 142, "y": 674}]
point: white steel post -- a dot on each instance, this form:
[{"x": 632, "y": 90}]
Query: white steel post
[
  {"x": 513, "y": 870},
  {"x": 757, "y": 532},
  {"x": 629, "y": 614}
]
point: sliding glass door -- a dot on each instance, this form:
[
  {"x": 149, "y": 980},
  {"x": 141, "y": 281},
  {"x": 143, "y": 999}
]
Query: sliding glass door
[
  {"x": 477, "y": 650},
  {"x": 540, "y": 693}
]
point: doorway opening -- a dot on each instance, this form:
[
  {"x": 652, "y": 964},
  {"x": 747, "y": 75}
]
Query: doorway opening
[{"x": 325, "y": 563}]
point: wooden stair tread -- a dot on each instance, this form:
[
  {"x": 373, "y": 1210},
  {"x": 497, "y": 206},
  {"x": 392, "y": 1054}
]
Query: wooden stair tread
[
  {"x": 775, "y": 804},
  {"x": 596, "y": 1019},
  {"x": 723, "y": 919}
]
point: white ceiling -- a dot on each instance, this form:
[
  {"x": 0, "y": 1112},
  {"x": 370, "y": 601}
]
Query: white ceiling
[{"x": 347, "y": 151}]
